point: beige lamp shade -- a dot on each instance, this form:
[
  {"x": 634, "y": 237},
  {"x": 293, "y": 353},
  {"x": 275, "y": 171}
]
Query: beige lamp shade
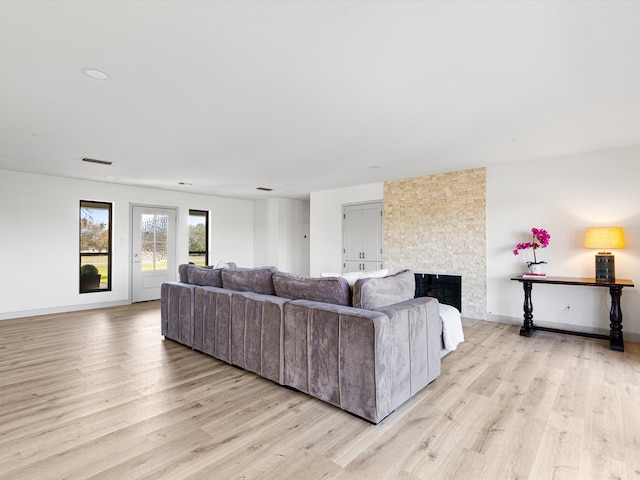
[{"x": 604, "y": 238}]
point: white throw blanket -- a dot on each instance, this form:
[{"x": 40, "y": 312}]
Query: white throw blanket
[{"x": 452, "y": 333}]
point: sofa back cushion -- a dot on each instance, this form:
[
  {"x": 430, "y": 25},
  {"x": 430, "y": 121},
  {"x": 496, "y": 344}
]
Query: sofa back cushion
[
  {"x": 333, "y": 290},
  {"x": 204, "y": 276},
  {"x": 183, "y": 272},
  {"x": 257, "y": 280},
  {"x": 370, "y": 293}
]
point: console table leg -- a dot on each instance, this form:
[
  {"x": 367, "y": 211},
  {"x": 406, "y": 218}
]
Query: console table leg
[
  {"x": 527, "y": 327},
  {"x": 615, "y": 317}
]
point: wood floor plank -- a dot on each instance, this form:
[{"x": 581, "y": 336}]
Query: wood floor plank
[
  {"x": 99, "y": 394},
  {"x": 560, "y": 448}
]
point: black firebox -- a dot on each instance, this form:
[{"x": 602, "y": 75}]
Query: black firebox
[{"x": 446, "y": 288}]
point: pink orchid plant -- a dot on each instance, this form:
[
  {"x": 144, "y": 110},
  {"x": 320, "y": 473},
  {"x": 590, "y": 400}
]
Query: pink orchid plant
[{"x": 540, "y": 240}]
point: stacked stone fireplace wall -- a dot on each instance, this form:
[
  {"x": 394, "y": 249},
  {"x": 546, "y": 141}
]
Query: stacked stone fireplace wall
[{"x": 437, "y": 224}]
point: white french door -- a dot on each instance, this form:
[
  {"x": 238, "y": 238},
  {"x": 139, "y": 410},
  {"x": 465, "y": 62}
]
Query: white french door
[{"x": 153, "y": 244}]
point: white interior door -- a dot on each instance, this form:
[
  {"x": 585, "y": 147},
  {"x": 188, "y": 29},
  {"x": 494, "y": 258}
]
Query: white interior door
[
  {"x": 153, "y": 259},
  {"x": 371, "y": 232},
  {"x": 362, "y": 237}
]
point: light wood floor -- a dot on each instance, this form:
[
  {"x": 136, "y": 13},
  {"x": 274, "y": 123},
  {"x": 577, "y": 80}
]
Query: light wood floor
[{"x": 100, "y": 395}]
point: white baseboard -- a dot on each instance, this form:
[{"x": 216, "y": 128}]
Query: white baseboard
[{"x": 66, "y": 308}]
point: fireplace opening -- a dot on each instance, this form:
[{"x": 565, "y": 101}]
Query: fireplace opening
[{"x": 446, "y": 288}]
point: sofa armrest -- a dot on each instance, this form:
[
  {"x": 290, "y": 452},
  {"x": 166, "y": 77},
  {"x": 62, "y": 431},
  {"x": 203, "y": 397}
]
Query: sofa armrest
[
  {"x": 417, "y": 333},
  {"x": 331, "y": 353},
  {"x": 366, "y": 362},
  {"x": 212, "y": 322},
  {"x": 256, "y": 333},
  {"x": 177, "y": 311}
]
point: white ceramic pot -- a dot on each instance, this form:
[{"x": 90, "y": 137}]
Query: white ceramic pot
[{"x": 535, "y": 268}]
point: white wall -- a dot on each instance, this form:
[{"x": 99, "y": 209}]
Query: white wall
[
  {"x": 565, "y": 196},
  {"x": 281, "y": 228},
  {"x": 39, "y": 235},
  {"x": 294, "y": 227},
  {"x": 265, "y": 215},
  {"x": 39, "y": 238},
  {"x": 326, "y": 224}
]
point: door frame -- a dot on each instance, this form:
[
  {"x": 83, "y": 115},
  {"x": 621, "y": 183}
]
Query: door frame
[{"x": 172, "y": 275}]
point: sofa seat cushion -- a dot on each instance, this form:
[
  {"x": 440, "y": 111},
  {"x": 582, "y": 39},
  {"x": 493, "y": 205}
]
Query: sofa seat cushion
[
  {"x": 333, "y": 290},
  {"x": 257, "y": 280},
  {"x": 371, "y": 293}
]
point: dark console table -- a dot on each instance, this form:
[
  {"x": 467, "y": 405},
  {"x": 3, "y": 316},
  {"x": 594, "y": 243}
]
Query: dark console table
[{"x": 615, "y": 315}]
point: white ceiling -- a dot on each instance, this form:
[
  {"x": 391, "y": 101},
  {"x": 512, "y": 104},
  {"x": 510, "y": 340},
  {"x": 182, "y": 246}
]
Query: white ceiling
[{"x": 306, "y": 96}]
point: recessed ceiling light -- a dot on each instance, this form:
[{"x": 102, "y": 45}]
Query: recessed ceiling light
[
  {"x": 111, "y": 177},
  {"x": 96, "y": 74},
  {"x": 40, "y": 136}
]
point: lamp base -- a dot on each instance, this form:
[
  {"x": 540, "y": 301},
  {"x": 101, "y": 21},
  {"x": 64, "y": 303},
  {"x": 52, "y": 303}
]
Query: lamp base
[{"x": 605, "y": 266}]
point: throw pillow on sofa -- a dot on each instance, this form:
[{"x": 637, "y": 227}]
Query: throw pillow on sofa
[
  {"x": 329, "y": 290},
  {"x": 371, "y": 293},
  {"x": 353, "y": 276}
]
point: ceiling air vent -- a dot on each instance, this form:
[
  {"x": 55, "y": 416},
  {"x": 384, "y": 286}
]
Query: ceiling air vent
[
  {"x": 101, "y": 162},
  {"x": 265, "y": 189}
]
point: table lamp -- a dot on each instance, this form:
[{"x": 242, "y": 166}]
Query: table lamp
[{"x": 604, "y": 238}]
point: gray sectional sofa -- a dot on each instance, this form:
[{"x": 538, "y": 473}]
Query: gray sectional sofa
[{"x": 365, "y": 350}]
